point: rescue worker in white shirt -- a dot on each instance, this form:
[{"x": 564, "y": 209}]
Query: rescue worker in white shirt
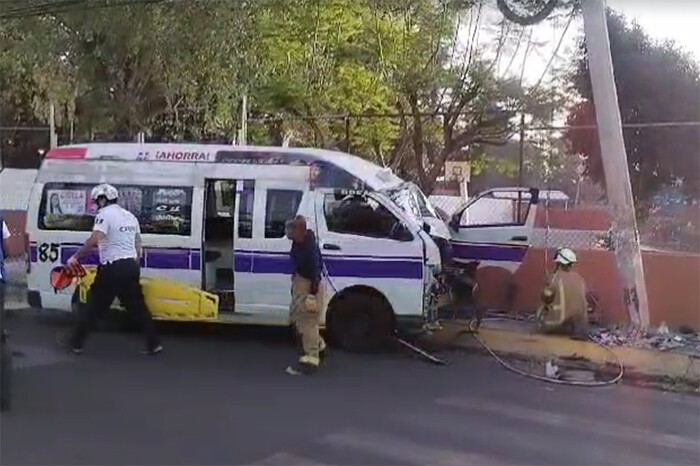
[
  {"x": 564, "y": 309},
  {"x": 3, "y": 255},
  {"x": 5, "y": 352},
  {"x": 3, "y": 271},
  {"x": 117, "y": 235}
]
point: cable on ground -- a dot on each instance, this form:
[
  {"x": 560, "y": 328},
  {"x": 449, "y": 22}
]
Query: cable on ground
[{"x": 543, "y": 378}]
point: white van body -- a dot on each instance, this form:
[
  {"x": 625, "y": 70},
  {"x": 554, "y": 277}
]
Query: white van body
[{"x": 212, "y": 217}]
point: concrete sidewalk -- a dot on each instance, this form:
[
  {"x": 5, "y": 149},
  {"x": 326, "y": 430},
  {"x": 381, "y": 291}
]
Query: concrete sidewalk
[{"x": 518, "y": 340}]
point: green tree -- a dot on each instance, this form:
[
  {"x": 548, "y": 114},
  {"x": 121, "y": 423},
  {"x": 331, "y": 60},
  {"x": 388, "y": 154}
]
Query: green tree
[{"x": 656, "y": 82}]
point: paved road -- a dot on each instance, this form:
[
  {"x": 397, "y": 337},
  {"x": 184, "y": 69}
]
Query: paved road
[{"x": 221, "y": 397}]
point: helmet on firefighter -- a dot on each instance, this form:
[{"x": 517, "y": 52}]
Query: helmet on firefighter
[
  {"x": 107, "y": 190},
  {"x": 565, "y": 256}
]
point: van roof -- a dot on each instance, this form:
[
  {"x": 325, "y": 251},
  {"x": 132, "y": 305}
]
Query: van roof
[{"x": 372, "y": 174}]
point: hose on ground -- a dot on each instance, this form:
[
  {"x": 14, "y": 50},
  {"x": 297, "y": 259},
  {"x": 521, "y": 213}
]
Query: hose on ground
[{"x": 544, "y": 378}]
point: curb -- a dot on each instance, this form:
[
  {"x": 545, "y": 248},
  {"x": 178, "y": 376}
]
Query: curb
[{"x": 653, "y": 364}]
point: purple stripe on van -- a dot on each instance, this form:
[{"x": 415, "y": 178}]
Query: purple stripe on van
[
  {"x": 270, "y": 263},
  {"x": 383, "y": 268},
  {"x": 489, "y": 252},
  {"x": 195, "y": 260},
  {"x": 153, "y": 258},
  {"x": 167, "y": 258},
  {"x": 338, "y": 266}
]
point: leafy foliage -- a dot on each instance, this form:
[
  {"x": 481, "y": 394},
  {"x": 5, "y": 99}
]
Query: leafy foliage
[
  {"x": 656, "y": 82},
  {"x": 176, "y": 70}
]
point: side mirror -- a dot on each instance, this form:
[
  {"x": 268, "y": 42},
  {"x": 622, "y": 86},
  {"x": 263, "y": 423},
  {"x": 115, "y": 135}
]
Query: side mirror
[
  {"x": 454, "y": 222},
  {"x": 426, "y": 227}
]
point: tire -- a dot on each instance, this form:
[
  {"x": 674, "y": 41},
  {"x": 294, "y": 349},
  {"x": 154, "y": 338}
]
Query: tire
[
  {"x": 360, "y": 322},
  {"x": 5, "y": 377}
]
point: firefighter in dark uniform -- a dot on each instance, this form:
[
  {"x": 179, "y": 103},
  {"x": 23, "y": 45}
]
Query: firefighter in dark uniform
[
  {"x": 307, "y": 295},
  {"x": 117, "y": 235}
]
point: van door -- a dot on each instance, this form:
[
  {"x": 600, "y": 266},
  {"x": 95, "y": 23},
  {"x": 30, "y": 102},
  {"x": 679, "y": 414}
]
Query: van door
[
  {"x": 365, "y": 242},
  {"x": 265, "y": 257},
  {"x": 495, "y": 228}
]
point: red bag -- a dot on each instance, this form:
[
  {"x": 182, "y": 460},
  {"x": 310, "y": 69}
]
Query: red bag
[{"x": 62, "y": 277}]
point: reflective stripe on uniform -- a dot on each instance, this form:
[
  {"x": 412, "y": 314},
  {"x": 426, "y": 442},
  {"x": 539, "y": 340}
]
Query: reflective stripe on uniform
[{"x": 309, "y": 360}]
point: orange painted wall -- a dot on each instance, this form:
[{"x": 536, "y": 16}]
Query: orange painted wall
[
  {"x": 672, "y": 278},
  {"x": 673, "y": 285}
]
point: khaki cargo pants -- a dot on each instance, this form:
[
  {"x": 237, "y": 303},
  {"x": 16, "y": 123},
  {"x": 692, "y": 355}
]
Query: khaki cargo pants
[{"x": 307, "y": 323}]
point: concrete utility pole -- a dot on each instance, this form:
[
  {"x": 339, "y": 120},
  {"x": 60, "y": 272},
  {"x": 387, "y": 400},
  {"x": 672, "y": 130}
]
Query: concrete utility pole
[{"x": 612, "y": 147}]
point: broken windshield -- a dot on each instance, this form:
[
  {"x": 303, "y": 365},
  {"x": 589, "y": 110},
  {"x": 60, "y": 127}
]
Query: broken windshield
[{"x": 411, "y": 199}]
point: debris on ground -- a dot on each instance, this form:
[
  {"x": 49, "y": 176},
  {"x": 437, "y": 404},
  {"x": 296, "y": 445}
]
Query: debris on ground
[
  {"x": 552, "y": 370},
  {"x": 661, "y": 339}
]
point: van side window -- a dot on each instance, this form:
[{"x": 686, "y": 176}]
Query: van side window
[
  {"x": 281, "y": 205},
  {"x": 161, "y": 210},
  {"x": 245, "y": 213},
  {"x": 491, "y": 210},
  {"x": 359, "y": 215}
]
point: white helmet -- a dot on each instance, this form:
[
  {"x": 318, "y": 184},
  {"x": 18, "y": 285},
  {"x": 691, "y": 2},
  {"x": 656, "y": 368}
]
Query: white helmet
[
  {"x": 106, "y": 190},
  {"x": 565, "y": 256}
]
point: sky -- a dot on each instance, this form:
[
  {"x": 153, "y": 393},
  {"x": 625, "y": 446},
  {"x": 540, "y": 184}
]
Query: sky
[
  {"x": 671, "y": 19},
  {"x": 677, "y": 20}
]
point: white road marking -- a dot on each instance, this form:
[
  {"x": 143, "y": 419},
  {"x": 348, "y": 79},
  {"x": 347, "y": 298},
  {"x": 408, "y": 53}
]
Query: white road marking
[
  {"x": 405, "y": 451},
  {"x": 632, "y": 434},
  {"x": 285, "y": 459}
]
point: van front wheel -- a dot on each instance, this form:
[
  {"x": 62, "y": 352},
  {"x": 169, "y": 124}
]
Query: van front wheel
[{"x": 360, "y": 322}]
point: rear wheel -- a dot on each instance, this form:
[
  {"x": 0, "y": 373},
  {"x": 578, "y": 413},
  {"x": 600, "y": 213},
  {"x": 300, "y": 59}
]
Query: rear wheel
[{"x": 360, "y": 322}]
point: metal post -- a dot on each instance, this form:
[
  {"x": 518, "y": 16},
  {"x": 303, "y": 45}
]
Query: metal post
[
  {"x": 521, "y": 157},
  {"x": 612, "y": 147}
]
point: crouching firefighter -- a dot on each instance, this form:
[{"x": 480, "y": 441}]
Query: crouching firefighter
[
  {"x": 117, "y": 235},
  {"x": 564, "y": 309},
  {"x": 307, "y": 296}
]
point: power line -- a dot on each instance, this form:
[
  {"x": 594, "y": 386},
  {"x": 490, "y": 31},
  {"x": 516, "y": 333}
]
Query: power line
[
  {"x": 370, "y": 116},
  {"x": 660, "y": 124}
]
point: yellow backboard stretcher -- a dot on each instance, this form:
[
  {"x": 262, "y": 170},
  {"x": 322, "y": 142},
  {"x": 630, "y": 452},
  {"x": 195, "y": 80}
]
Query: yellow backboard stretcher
[{"x": 167, "y": 299}]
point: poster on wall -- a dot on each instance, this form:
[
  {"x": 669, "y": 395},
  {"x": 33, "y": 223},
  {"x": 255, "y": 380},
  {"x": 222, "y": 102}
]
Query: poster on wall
[{"x": 66, "y": 202}]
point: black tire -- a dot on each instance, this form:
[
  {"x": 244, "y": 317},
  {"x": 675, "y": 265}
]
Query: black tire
[
  {"x": 360, "y": 322},
  {"x": 5, "y": 377}
]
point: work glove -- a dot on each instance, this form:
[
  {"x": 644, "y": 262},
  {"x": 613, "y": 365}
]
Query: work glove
[
  {"x": 310, "y": 303},
  {"x": 548, "y": 295}
]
